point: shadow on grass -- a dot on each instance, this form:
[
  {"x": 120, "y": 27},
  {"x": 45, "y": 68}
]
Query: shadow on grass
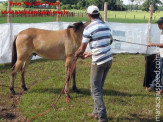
[
  {"x": 9, "y": 116},
  {"x": 86, "y": 92},
  {"x": 134, "y": 118}
]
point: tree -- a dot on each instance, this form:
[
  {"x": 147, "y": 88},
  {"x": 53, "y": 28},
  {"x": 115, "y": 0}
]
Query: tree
[
  {"x": 115, "y": 5},
  {"x": 94, "y": 2},
  {"x": 5, "y": 3},
  {"x": 81, "y": 4},
  {"x": 147, "y": 3},
  {"x": 29, "y": 6},
  {"x": 132, "y": 1}
]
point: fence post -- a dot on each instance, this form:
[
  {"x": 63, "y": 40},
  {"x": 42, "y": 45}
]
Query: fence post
[
  {"x": 151, "y": 8},
  {"x": 9, "y": 9},
  {"x": 105, "y": 10},
  {"x": 58, "y": 9}
]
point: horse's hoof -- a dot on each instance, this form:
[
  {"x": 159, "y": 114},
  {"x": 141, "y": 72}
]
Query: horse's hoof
[
  {"x": 68, "y": 96},
  {"x": 25, "y": 88},
  {"x": 76, "y": 90},
  {"x": 12, "y": 91}
]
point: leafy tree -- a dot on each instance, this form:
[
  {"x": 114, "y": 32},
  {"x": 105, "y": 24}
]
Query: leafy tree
[
  {"x": 147, "y": 3},
  {"x": 5, "y": 3},
  {"x": 29, "y": 6},
  {"x": 116, "y": 5},
  {"x": 132, "y": 1},
  {"x": 93, "y": 2}
]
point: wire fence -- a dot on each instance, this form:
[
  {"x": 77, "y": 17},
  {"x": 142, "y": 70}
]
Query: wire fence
[
  {"x": 115, "y": 16},
  {"x": 39, "y": 12}
]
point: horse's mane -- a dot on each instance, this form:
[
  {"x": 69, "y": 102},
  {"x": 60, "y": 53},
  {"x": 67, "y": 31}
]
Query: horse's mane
[{"x": 75, "y": 26}]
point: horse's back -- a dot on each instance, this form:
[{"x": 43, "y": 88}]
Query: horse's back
[{"x": 45, "y": 43}]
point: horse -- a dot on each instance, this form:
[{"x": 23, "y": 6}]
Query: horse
[{"x": 55, "y": 45}]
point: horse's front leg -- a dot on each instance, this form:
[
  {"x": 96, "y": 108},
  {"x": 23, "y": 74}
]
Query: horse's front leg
[
  {"x": 67, "y": 71},
  {"x": 67, "y": 84}
]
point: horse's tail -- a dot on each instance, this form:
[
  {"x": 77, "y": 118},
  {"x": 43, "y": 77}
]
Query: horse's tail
[{"x": 14, "y": 53}]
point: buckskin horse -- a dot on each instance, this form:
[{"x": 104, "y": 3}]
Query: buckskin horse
[{"x": 56, "y": 45}]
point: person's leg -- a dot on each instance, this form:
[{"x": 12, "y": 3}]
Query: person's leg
[
  {"x": 97, "y": 81},
  {"x": 92, "y": 78},
  {"x": 152, "y": 86},
  {"x": 157, "y": 63},
  {"x": 108, "y": 66},
  {"x": 161, "y": 73},
  {"x": 93, "y": 70}
]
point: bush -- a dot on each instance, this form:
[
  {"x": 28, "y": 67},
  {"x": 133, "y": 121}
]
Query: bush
[
  {"x": 5, "y": 3},
  {"x": 67, "y": 6},
  {"x": 74, "y": 6}
]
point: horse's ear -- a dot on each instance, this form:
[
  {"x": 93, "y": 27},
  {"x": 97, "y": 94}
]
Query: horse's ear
[
  {"x": 77, "y": 25},
  {"x": 70, "y": 26}
]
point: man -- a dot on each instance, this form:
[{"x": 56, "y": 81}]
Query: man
[
  {"x": 153, "y": 85},
  {"x": 98, "y": 35}
]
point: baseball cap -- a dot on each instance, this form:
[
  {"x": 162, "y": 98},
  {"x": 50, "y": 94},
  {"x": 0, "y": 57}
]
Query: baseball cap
[
  {"x": 92, "y": 10},
  {"x": 160, "y": 21}
]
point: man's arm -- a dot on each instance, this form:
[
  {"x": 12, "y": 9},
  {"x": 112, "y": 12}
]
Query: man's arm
[
  {"x": 155, "y": 45},
  {"x": 81, "y": 50}
]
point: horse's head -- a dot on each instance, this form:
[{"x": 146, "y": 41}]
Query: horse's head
[
  {"x": 77, "y": 31},
  {"x": 79, "y": 26},
  {"x": 76, "y": 26}
]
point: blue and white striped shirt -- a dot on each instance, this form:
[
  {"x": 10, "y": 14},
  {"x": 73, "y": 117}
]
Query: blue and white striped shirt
[{"x": 98, "y": 34}]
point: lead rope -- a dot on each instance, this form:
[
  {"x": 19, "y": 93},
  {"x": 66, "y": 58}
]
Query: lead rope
[{"x": 66, "y": 92}]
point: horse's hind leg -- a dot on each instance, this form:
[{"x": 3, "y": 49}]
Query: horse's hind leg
[
  {"x": 15, "y": 68},
  {"x": 74, "y": 81},
  {"x": 23, "y": 72}
]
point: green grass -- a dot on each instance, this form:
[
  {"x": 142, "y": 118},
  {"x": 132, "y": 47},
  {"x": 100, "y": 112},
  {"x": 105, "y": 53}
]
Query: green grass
[
  {"x": 125, "y": 98},
  {"x": 67, "y": 19},
  {"x": 42, "y": 19}
]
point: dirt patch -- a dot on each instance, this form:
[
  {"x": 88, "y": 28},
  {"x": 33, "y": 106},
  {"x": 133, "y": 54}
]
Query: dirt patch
[
  {"x": 9, "y": 111},
  {"x": 9, "y": 108}
]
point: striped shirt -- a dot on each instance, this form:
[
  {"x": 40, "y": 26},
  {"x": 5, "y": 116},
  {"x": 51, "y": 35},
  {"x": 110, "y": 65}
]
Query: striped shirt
[
  {"x": 161, "y": 41},
  {"x": 98, "y": 34}
]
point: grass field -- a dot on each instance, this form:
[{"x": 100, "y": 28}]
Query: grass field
[
  {"x": 66, "y": 19},
  {"x": 126, "y": 99},
  {"x": 113, "y": 16}
]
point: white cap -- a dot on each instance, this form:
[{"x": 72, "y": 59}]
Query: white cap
[{"x": 92, "y": 8}]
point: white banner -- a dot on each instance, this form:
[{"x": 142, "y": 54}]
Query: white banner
[{"x": 130, "y": 33}]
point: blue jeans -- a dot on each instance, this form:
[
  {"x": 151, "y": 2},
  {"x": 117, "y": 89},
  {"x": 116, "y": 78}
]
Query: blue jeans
[
  {"x": 98, "y": 75},
  {"x": 157, "y": 83}
]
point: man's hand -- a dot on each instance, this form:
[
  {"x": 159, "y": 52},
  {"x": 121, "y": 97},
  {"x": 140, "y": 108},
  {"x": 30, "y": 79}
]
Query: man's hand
[
  {"x": 151, "y": 44},
  {"x": 86, "y": 55},
  {"x": 78, "y": 53},
  {"x": 81, "y": 50}
]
